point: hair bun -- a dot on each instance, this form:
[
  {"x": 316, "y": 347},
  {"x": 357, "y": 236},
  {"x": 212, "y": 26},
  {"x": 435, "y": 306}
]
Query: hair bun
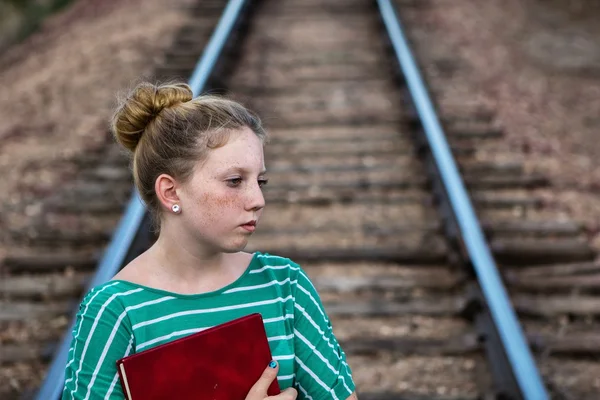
[{"x": 141, "y": 106}]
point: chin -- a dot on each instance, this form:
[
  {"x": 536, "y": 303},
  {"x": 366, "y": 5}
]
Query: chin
[{"x": 235, "y": 247}]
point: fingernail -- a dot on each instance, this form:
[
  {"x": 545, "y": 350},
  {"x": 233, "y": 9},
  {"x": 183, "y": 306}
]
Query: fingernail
[{"x": 272, "y": 364}]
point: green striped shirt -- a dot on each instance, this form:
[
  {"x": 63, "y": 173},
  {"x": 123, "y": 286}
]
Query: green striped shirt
[{"x": 120, "y": 318}]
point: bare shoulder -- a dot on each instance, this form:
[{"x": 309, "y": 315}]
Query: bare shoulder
[
  {"x": 245, "y": 257},
  {"x": 240, "y": 261},
  {"x": 134, "y": 271}
]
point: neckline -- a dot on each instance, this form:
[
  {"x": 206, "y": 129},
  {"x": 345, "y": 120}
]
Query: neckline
[{"x": 193, "y": 295}]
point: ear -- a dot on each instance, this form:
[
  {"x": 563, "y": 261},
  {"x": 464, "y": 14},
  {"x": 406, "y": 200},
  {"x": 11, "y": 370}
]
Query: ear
[{"x": 166, "y": 187}]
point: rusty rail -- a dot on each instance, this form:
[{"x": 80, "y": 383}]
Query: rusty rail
[{"x": 514, "y": 364}]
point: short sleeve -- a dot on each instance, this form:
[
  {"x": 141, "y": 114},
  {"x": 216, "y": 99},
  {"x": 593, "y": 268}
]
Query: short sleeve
[
  {"x": 101, "y": 335},
  {"x": 320, "y": 363}
]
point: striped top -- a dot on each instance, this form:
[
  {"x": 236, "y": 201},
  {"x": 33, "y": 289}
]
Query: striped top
[{"x": 120, "y": 318}]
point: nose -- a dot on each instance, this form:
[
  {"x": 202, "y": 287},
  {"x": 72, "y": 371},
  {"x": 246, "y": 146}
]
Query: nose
[{"x": 256, "y": 199}]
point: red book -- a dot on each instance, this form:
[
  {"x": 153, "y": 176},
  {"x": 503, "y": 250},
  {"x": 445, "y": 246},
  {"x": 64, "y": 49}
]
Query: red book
[{"x": 219, "y": 363}]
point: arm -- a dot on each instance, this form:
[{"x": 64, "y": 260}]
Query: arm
[
  {"x": 352, "y": 397},
  {"x": 321, "y": 368},
  {"x": 101, "y": 336}
]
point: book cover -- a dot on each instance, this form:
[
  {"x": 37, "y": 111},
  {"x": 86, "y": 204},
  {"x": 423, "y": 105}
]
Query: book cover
[{"x": 219, "y": 363}]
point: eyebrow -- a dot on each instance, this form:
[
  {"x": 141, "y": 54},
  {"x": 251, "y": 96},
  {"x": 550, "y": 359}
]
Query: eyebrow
[{"x": 244, "y": 170}]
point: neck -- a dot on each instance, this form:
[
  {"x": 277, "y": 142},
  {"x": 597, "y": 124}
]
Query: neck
[{"x": 180, "y": 258}]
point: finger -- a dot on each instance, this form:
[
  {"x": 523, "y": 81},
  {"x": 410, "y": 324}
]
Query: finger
[
  {"x": 259, "y": 390},
  {"x": 288, "y": 394}
]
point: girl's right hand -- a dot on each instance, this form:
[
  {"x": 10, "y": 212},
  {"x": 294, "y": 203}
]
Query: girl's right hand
[{"x": 259, "y": 390}]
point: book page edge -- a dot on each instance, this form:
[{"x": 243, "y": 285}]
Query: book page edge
[{"x": 125, "y": 381}]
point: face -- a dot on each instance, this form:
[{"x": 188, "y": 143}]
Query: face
[{"x": 224, "y": 193}]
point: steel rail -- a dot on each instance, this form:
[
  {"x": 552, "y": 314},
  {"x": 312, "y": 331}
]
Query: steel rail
[
  {"x": 132, "y": 222},
  {"x": 511, "y": 335}
]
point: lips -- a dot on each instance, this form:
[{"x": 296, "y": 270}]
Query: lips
[{"x": 250, "y": 226}]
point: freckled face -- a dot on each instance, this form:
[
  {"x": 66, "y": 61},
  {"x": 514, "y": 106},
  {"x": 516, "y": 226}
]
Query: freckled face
[{"x": 225, "y": 192}]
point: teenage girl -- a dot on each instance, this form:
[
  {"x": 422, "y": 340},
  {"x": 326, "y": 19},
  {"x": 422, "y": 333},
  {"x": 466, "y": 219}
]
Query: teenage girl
[{"x": 198, "y": 164}]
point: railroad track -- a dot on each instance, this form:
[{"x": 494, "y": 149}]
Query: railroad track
[{"x": 353, "y": 196}]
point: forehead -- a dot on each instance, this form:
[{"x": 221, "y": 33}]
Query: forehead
[{"x": 243, "y": 150}]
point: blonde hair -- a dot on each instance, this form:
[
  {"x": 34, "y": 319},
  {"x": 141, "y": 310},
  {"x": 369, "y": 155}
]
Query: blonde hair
[{"x": 168, "y": 131}]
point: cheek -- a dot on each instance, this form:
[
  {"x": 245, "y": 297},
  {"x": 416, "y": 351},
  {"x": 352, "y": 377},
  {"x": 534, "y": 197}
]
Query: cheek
[{"x": 216, "y": 206}]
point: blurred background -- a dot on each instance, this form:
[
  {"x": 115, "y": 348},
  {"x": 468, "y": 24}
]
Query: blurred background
[{"x": 536, "y": 63}]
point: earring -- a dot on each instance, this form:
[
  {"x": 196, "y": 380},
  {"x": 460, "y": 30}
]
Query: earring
[{"x": 176, "y": 209}]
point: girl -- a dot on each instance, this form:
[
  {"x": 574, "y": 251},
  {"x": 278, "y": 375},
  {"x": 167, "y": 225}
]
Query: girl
[{"x": 199, "y": 166}]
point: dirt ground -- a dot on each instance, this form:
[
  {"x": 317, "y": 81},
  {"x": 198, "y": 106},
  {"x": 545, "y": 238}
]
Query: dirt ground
[
  {"x": 59, "y": 88},
  {"x": 537, "y": 63}
]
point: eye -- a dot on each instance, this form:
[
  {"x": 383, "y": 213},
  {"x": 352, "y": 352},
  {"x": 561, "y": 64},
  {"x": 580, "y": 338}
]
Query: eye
[
  {"x": 234, "y": 182},
  {"x": 262, "y": 182}
]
